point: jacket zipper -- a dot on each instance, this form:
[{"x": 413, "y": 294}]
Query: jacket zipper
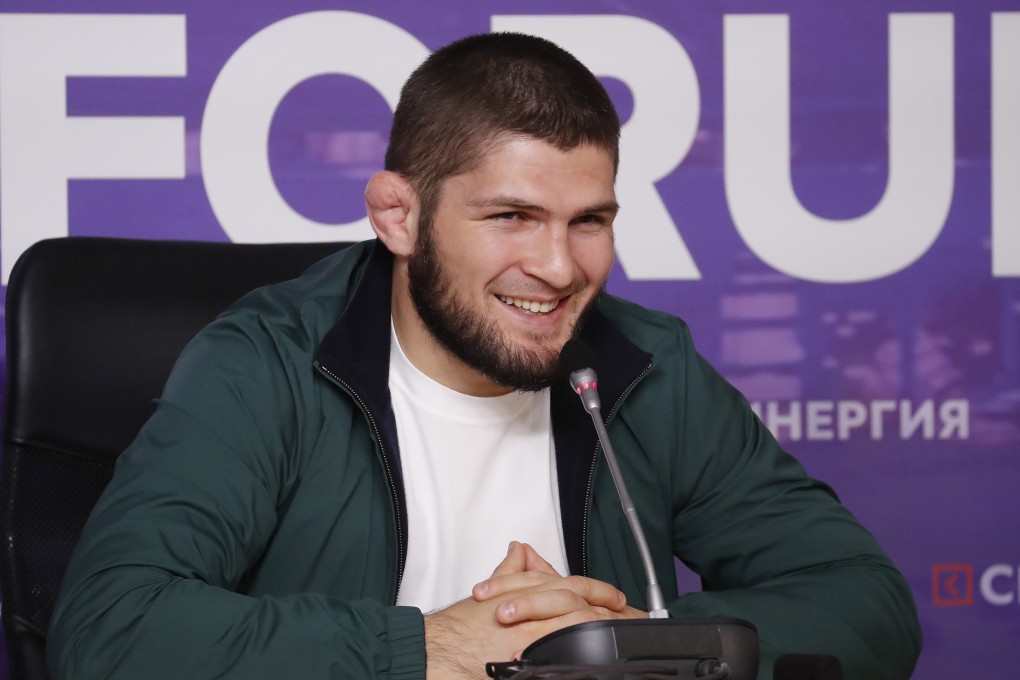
[
  {"x": 594, "y": 464},
  {"x": 389, "y": 474}
]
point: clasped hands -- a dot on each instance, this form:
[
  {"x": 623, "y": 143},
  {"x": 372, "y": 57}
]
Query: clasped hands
[{"x": 524, "y": 599}]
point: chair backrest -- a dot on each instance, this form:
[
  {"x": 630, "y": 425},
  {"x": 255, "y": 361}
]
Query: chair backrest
[{"x": 94, "y": 326}]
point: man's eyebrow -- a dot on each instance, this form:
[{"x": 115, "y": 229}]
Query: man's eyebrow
[
  {"x": 520, "y": 204},
  {"x": 608, "y": 206},
  {"x": 508, "y": 202}
]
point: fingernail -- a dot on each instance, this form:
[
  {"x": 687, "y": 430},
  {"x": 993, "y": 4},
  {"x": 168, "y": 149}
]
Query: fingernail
[
  {"x": 510, "y": 548},
  {"x": 507, "y": 610},
  {"x": 482, "y": 588}
]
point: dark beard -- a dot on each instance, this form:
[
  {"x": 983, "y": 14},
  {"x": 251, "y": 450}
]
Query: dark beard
[{"x": 476, "y": 341}]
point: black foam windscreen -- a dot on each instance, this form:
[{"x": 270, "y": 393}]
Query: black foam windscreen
[{"x": 576, "y": 355}]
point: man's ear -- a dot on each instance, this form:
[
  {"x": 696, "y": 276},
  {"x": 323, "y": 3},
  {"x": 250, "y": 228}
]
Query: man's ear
[{"x": 393, "y": 211}]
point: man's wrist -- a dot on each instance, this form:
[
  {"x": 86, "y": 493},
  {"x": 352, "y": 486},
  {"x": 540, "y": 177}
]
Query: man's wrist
[{"x": 445, "y": 656}]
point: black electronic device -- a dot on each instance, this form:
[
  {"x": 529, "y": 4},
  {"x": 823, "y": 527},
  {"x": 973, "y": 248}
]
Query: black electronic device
[{"x": 681, "y": 648}]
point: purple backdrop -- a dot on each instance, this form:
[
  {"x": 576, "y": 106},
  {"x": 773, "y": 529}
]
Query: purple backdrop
[{"x": 886, "y": 353}]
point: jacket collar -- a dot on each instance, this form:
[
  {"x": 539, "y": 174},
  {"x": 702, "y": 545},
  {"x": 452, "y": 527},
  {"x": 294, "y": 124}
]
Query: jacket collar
[{"x": 356, "y": 352}]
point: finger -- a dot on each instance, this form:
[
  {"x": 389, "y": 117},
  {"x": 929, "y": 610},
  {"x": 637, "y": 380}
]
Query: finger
[
  {"x": 591, "y": 592},
  {"x": 536, "y": 562},
  {"x": 595, "y": 592},
  {"x": 520, "y": 557},
  {"x": 545, "y": 605},
  {"x": 505, "y": 584},
  {"x": 516, "y": 560}
]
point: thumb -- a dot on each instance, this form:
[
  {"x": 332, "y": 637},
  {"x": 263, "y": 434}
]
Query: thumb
[
  {"x": 516, "y": 560},
  {"x": 535, "y": 562}
]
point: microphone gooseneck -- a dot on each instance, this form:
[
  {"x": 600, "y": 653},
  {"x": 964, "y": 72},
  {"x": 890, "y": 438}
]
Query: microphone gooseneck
[{"x": 576, "y": 361}]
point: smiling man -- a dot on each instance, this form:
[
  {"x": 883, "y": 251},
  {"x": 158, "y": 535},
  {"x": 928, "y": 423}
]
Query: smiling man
[
  {"x": 525, "y": 244},
  {"x": 338, "y": 464}
]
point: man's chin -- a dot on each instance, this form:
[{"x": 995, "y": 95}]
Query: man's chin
[
  {"x": 530, "y": 367},
  {"x": 545, "y": 353}
]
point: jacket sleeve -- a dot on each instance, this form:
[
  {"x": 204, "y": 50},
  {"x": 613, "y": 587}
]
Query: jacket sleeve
[
  {"x": 775, "y": 547},
  {"x": 152, "y": 590}
]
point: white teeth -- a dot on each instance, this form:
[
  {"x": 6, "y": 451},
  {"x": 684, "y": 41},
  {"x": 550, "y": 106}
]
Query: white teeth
[{"x": 533, "y": 306}]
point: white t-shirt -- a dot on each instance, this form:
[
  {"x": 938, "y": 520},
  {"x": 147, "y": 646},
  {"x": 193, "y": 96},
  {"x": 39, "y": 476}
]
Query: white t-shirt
[{"x": 478, "y": 473}]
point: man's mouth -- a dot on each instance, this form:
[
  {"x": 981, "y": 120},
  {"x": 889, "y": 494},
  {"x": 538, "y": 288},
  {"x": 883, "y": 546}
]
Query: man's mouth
[{"x": 530, "y": 306}]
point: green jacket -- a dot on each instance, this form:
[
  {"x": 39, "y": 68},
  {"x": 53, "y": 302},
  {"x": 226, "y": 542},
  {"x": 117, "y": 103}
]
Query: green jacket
[{"x": 256, "y": 527}]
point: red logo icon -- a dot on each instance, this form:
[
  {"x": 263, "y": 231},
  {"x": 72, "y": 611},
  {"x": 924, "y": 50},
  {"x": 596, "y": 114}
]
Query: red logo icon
[{"x": 952, "y": 585}]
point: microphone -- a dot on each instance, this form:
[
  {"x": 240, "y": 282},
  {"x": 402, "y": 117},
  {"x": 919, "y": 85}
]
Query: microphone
[
  {"x": 708, "y": 648},
  {"x": 576, "y": 360}
]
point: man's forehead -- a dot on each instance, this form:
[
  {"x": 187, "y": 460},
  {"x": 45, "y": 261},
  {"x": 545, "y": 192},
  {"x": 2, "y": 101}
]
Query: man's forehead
[
  {"x": 498, "y": 142},
  {"x": 539, "y": 153},
  {"x": 577, "y": 179}
]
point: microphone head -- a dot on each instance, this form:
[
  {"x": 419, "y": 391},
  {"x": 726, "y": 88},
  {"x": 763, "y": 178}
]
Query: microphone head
[
  {"x": 576, "y": 355},
  {"x": 577, "y": 361}
]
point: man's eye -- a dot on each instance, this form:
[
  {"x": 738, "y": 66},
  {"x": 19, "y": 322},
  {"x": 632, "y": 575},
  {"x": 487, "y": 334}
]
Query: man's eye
[
  {"x": 507, "y": 216},
  {"x": 590, "y": 220}
]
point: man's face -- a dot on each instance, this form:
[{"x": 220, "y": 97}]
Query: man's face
[{"x": 516, "y": 252}]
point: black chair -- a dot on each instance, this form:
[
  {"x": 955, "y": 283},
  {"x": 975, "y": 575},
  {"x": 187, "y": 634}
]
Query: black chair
[{"x": 94, "y": 326}]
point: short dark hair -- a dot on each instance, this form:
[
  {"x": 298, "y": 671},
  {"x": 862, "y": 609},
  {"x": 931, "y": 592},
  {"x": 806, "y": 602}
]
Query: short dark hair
[{"x": 473, "y": 93}]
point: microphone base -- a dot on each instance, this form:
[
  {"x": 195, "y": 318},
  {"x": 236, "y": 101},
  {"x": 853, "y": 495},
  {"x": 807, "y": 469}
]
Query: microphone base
[{"x": 684, "y": 645}]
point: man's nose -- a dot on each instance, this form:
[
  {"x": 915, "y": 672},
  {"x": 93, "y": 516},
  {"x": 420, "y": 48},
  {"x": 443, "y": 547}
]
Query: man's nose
[{"x": 550, "y": 257}]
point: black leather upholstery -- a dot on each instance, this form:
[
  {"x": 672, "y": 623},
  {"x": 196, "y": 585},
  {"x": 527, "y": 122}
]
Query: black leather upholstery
[{"x": 93, "y": 327}]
